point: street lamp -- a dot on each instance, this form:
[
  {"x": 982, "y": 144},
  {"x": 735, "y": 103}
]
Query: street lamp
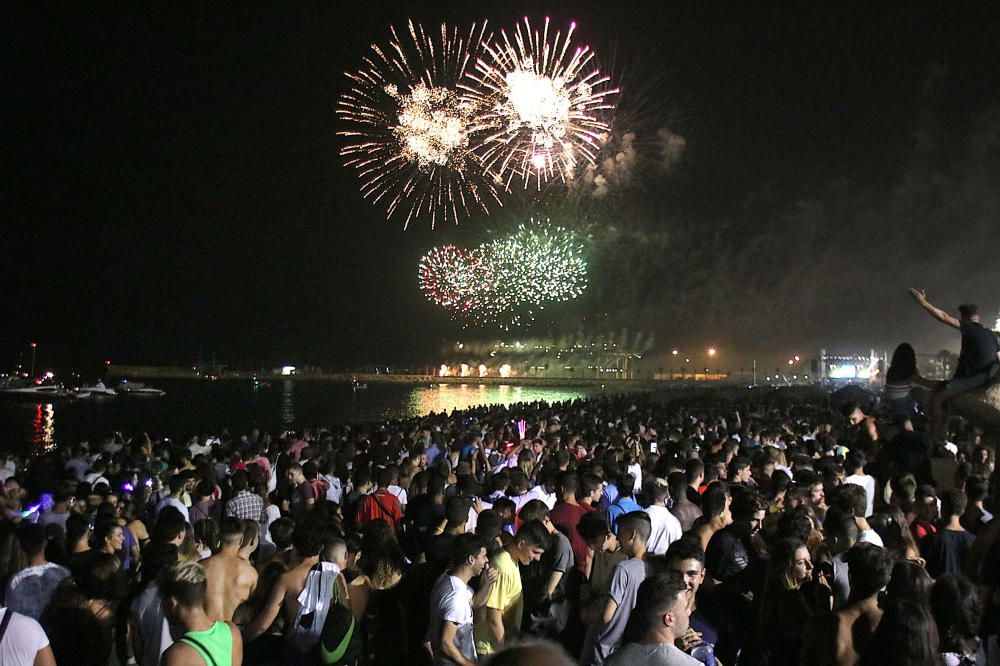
[
  {"x": 711, "y": 351},
  {"x": 33, "y": 345}
]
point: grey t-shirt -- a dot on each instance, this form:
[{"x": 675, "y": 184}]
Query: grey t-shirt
[
  {"x": 30, "y": 590},
  {"x": 624, "y": 586},
  {"x": 551, "y": 618},
  {"x": 658, "y": 654},
  {"x": 147, "y": 613}
]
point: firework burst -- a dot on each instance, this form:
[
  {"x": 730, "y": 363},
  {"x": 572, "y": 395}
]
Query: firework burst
[
  {"x": 409, "y": 135},
  {"x": 543, "y": 105},
  {"x": 505, "y": 282}
]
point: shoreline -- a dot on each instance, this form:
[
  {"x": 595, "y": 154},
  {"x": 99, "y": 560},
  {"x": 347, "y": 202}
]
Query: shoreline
[{"x": 677, "y": 380}]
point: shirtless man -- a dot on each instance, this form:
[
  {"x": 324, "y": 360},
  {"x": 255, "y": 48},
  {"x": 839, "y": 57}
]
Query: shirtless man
[
  {"x": 309, "y": 541},
  {"x": 231, "y": 578},
  {"x": 840, "y": 638}
]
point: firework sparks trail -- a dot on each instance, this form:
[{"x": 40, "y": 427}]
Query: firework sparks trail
[
  {"x": 506, "y": 281},
  {"x": 409, "y": 136},
  {"x": 543, "y": 106}
]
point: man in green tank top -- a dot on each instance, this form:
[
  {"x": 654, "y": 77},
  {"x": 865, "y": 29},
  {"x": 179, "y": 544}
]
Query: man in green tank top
[{"x": 199, "y": 639}]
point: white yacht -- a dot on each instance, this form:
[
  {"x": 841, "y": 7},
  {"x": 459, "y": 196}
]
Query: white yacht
[
  {"x": 98, "y": 390},
  {"x": 137, "y": 389}
]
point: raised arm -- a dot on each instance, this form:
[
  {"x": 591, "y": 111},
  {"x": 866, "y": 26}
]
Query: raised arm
[{"x": 921, "y": 298}]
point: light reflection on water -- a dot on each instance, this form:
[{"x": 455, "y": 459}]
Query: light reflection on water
[
  {"x": 449, "y": 397},
  {"x": 194, "y": 407},
  {"x": 43, "y": 425}
]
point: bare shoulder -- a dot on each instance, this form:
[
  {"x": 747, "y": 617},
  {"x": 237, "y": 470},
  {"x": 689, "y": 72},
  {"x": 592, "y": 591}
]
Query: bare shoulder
[
  {"x": 361, "y": 580},
  {"x": 181, "y": 654}
]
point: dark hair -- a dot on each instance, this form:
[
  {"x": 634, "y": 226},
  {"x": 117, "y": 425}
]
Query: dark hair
[
  {"x": 869, "y": 569},
  {"x": 956, "y": 609},
  {"x": 176, "y": 484},
  {"x": 103, "y": 529},
  {"x": 534, "y": 510},
  {"x": 533, "y": 533},
  {"x": 568, "y": 482},
  {"x": 206, "y": 530},
  {"x": 910, "y": 582},
  {"x": 101, "y": 579},
  {"x": 625, "y": 484},
  {"x": 383, "y": 477},
  {"x": 32, "y": 538},
  {"x": 953, "y": 503},
  {"x": 205, "y": 488},
  {"x": 456, "y": 511},
  {"x": 905, "y": 636},
  {"x": 656, "y": 596},
  {"x": 281, "y": 532},
  {"x": 307, "y": 539},
  {"x": 852, "y": 498},
  {"x": 593, "y": 526},
  {"x": 465, "y": 546},
  {"x": 588, "y": 484},
  {"x": 854, "y": 461},
  {"x": 169, "y": 523},
  {"x": 489, "y": 524},
  {"x": 231, "y": 530},
  {"x": 968, "y": 310},
  {"x": 685, "y": 549},
  {"x": 693, "y": 468},
  {"x": 714, "y": 499},
  {"x": 795, "y": 524},
  {"x": 781, "y": 563},
  {"x": 903, "y": 364},
  {"x": 239, "y": 481},
  {"x": 677, "y": 481},
  {"x": 849, "y": 407},
  {"x": 637, "y": 521}
]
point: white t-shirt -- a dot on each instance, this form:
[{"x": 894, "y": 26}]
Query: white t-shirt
[
  {"x": 451, "y": 601},
  {"x": 868, "y": 483},
  {"x": 636, "y": 471},
  {"x": 538, "y": 492},
  {"x": 336, "y": 491},
  {"x": 24, "y": 638},
  {"x": 520, "y": 500},
  {"x": 470, "y": 524},
  {"x": 399, "y": 493},
  {"x": 665, "y": 529}
]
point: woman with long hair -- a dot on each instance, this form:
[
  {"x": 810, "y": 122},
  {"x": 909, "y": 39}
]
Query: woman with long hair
[
  {"x": 957, "y": 611},
  {"x": 905, "y": 636},
  {"x": 80, "y": 620},
  {"x": 901, "y": 379},
  {"x": 789, "y": 601}
]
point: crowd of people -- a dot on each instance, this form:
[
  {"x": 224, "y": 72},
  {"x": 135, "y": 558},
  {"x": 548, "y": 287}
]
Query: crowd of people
[{"x": 615, "y": 530}]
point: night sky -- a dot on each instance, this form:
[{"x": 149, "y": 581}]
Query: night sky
[{"x": 172, "y": 182}]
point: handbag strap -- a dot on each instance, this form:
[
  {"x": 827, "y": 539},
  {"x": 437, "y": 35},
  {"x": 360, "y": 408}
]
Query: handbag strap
[{"x": 6, "y": 620}]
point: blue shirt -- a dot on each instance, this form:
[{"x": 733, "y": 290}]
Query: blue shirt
[{"x": 621, "y": 506}]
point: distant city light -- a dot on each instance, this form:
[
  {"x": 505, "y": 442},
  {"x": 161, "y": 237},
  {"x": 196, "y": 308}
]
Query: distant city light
[{"x": 287, "y": 370}]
